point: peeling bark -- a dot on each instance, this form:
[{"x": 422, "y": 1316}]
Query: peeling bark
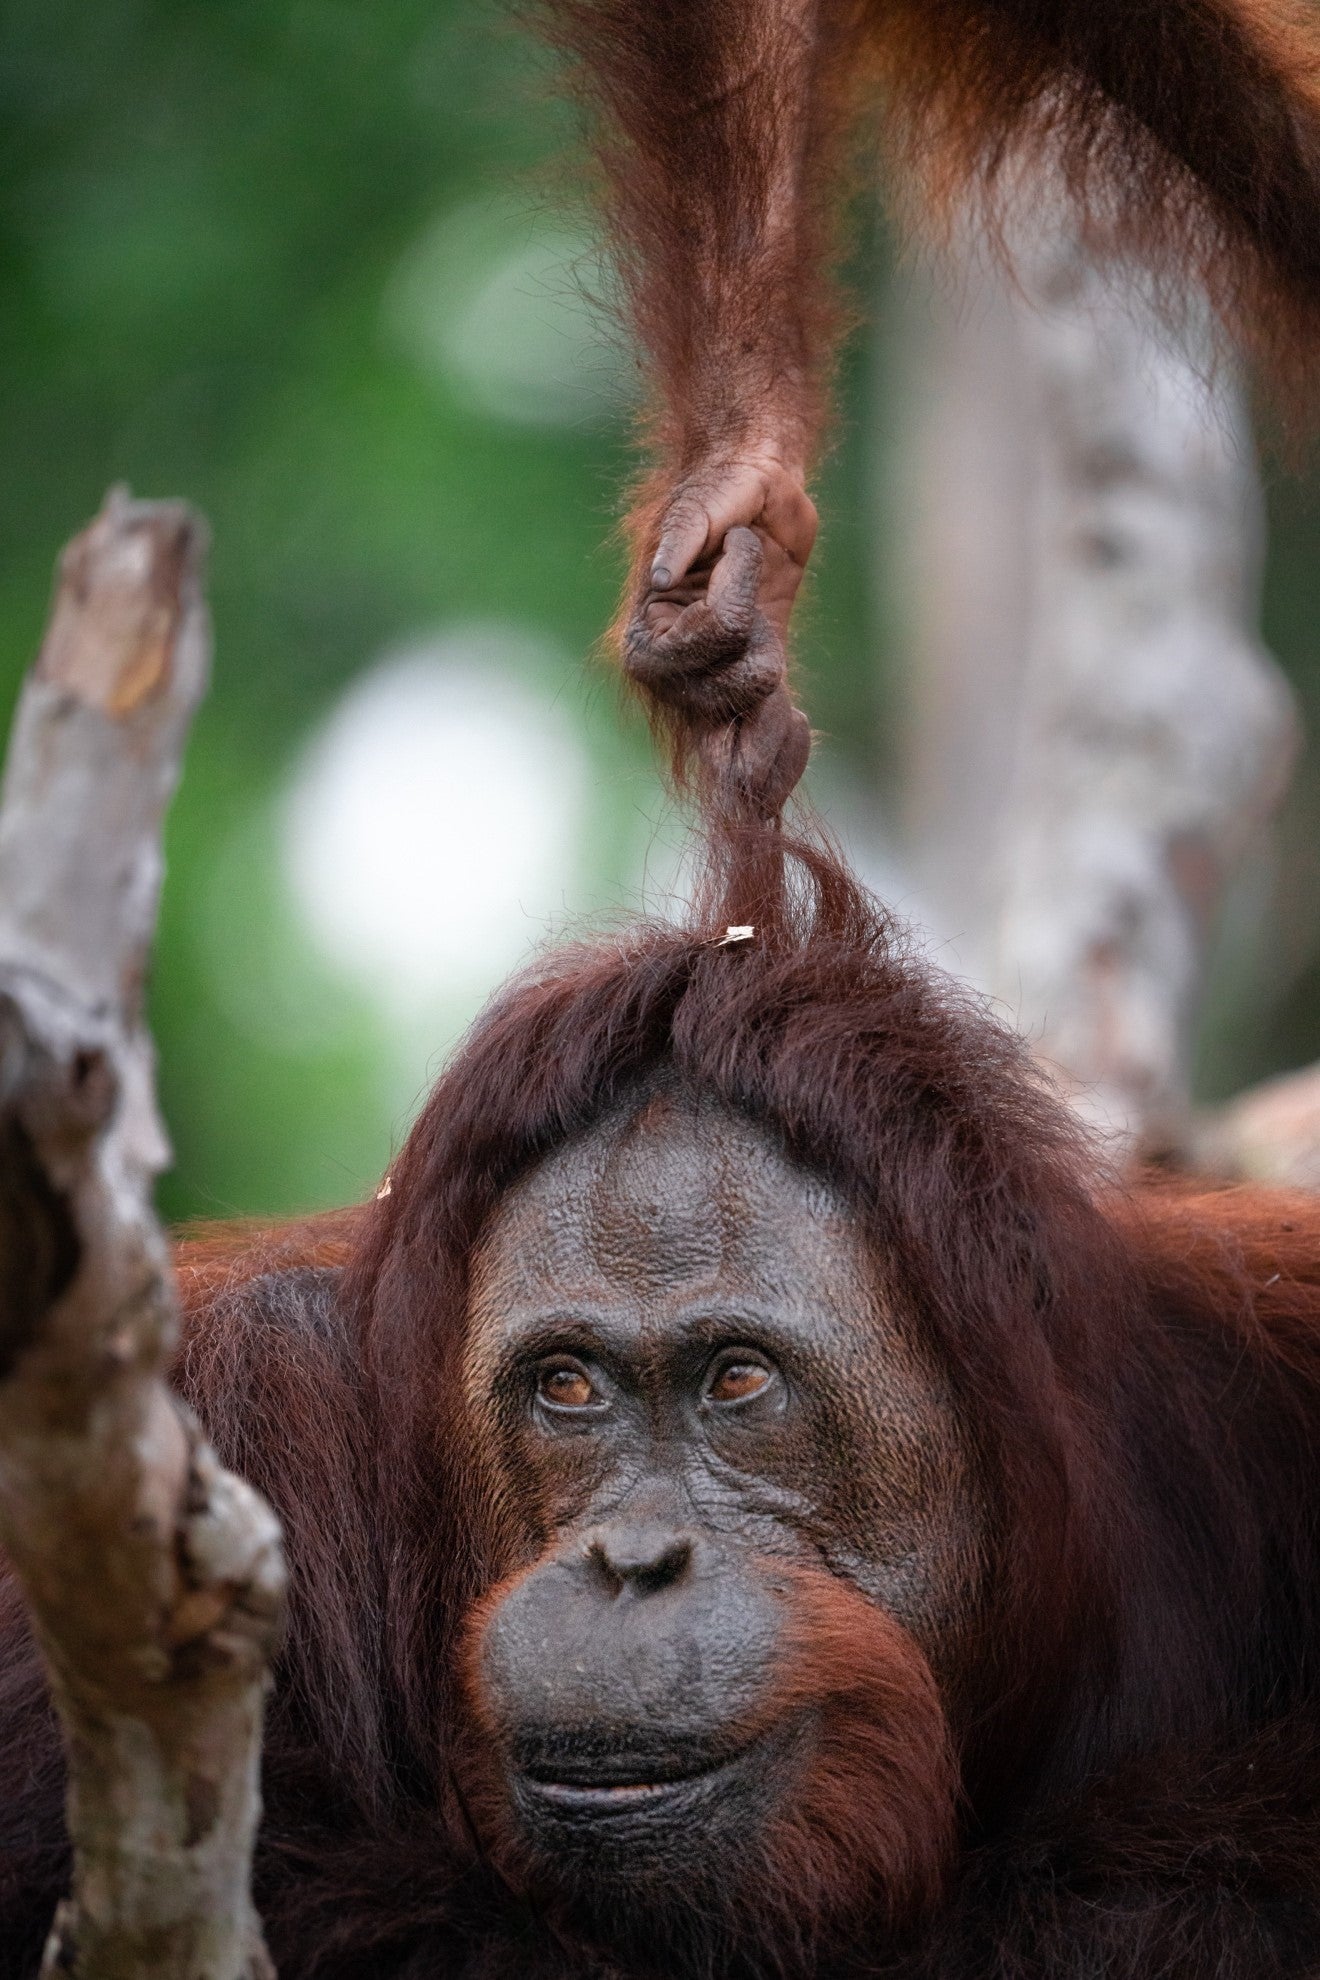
[
  {"x": 155, "y": 1579},
  {"x": 1159, "y": 735},
  {"x": 1100, "y": 730}
]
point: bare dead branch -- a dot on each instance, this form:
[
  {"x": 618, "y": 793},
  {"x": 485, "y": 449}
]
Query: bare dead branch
[{"x": 155, "y": 1579}]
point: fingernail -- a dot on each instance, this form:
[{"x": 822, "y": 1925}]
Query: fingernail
[{"x": 661, "y": 577}]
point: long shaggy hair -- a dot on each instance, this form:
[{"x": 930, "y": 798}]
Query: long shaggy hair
[
  {"x": 1141, "y": 1376},
  {"x": 1188, "y": 132}
]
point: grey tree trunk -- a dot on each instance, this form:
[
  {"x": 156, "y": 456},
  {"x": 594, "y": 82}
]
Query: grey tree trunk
[
  {"x": 154, "y": 1578},
  {"x": 1099, "y": 735}
]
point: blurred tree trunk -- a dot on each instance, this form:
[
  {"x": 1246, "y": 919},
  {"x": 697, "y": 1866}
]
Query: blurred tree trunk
[{"x": 1097, "y": 735}]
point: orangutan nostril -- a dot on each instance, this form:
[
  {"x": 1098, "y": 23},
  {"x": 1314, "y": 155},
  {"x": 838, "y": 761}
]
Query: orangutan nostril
[{"x": 639, "y": 1559}]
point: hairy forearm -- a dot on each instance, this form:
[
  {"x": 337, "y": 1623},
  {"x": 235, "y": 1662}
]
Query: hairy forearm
[
  {"x": 718, "y": 127},
  {"x": 718, "y": 130},
  {"x": 713, "y": 136},
  {"x": 748, "y": 367}
]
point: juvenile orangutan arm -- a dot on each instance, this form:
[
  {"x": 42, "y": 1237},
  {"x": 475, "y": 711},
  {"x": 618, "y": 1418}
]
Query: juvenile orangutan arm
[
  {"x": 1188, "y": 132},
  {"x": 718, "y": 130}
]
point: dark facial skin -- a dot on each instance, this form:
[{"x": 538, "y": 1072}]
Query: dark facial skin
[{"x": 695, "y": 1376}]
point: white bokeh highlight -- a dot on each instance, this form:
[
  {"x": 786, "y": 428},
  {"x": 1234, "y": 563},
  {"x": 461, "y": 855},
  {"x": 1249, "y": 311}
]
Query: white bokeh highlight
[
  {"x": 435, "y": 825},
  {"x": 502, "y": 308}
]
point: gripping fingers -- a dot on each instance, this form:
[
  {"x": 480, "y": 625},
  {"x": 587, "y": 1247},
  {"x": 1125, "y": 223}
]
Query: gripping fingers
[
  {"x": 730, "y": 692},
  {"x": 735, "y": 580},
  {"x": 717, "y": 682},
  {"x": 700, "y": 516},
  {"x": 710, "y": 648},
  {"x": 709, "y": 635},
  {"x": 683, "y": 540},
  {"x": 729, "y": 495}
]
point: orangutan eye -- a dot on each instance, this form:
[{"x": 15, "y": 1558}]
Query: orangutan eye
[
  {"x": 566, "y": 1385},
  {"x": 735, "y": 1380}
]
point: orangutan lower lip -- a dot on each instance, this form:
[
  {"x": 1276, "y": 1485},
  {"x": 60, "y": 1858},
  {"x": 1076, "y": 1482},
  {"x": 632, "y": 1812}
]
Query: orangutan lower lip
[
  {"x": 605, "y": 1797},
  {"x": 570, "y": 1794}
]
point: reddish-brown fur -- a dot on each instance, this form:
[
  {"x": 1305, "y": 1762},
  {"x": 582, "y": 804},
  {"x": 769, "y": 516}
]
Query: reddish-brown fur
[
  {"x": 870, "y": 1832},
  {"x": 1186, "y": 132},
  {"x": 1141, "y": 1372},
  {"x": 1136, "y": 1746},
  {"x": 868, "y": 1835},
  {"x": 1190, "y": 131}
]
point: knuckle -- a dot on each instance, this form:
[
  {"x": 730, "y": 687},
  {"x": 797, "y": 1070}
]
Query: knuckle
[
  {"x": 685, "y": 514},
  {"x": 803, "y": 522},
  {"x": 744, "y": 545},
  {"x": 641, "y": 662},
  {"x": 762, "y": 755}
]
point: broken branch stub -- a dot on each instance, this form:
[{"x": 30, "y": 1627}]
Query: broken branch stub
[{"x": 155, "y": 1579}]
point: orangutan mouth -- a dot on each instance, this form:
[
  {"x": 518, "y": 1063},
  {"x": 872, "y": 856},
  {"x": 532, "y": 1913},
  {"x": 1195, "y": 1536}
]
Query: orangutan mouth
[{"x": 605, "y": 1787}]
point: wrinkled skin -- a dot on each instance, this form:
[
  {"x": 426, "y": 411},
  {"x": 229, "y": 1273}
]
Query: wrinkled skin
[
  {"x": 699, "y": 1388},
  {"x": 711, "y": 654},
  {"x": 757, "y": 490}
]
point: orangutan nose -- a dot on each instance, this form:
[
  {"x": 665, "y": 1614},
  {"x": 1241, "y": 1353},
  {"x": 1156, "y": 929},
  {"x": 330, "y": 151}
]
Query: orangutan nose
[
  {"x": 639, "y": 1560},
  {"x": 638, "y": 1639}
]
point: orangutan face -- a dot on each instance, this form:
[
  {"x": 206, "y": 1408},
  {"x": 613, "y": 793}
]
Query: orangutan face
[{"x": 711, "y": 1426}]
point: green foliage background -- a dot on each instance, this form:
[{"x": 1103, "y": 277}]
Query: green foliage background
[{"x": 204, "y": 209}]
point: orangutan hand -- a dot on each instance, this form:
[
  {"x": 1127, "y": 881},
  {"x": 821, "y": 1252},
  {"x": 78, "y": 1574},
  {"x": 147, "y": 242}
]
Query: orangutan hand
[
  {"x": 709, "y": 655},
  {"x": 707, "y": 637},
  {"x": 755, "y": 490}
]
